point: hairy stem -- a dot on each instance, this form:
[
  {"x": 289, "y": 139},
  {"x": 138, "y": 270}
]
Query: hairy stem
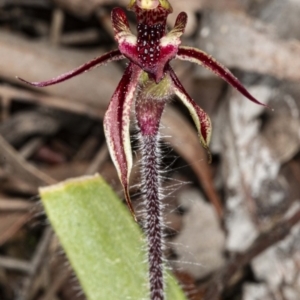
[{"x": 151, "y": 192}]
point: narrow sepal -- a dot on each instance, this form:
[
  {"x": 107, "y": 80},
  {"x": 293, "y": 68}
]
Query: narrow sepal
[
  {"x": 116, "y": 127},
  {"x": 96, "y": 62},
  {"x": 197, "y": 56},
  {"x": 200, "y": 118}
]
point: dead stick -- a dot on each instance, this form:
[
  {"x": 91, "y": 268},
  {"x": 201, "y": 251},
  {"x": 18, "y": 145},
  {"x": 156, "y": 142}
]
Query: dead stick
[{"x": 263, "y": 242}]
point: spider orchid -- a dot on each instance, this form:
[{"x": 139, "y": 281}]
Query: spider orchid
[{"x": 149, "y": 82}]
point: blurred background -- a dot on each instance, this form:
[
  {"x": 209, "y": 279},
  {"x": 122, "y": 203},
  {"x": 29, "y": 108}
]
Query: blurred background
[{"x": 232, "y": 226}]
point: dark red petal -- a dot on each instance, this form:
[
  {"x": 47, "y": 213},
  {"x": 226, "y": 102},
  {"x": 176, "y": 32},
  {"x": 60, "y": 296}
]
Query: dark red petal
[
  {"x": 200, "y": 118},
  {"x": 125, "y": 39},
  {"x": 116, "y": 126},
  {"x": 197, "y": 56},
  {"x": 119, "y": 20},
  {"x": 180, "y": 23},
  {"x": 105, "y": 58}
]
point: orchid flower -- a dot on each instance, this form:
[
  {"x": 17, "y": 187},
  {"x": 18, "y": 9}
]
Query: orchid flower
[{"x": 149, "y": 82}]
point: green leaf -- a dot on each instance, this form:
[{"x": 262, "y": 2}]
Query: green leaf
[{"x": 105, "y": 246}]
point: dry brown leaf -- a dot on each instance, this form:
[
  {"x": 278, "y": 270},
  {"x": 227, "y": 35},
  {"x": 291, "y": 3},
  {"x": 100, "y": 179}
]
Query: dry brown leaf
[
  {"x": 184, "y": 140},
  {"x": 60, "y": 103},
  {"x": 201, "y": 242},
  {"x": 37, "y": 61},
  {"x": 238, "y": 41}
]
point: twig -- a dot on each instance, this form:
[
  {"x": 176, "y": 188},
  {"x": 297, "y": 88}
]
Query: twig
[
  {"x": 12, "y": 229},
  {"x": 57, "y": 284},
  {"x": 20, "y": 168},
  {"x": 29, "y": 148},
  {"x": 56, "y": 26},
  {"x": 51, "y": 101},
  {"x": 263, "y": 242},
  {"x": 14, "y": 264},
  {"x": 5, "y": 105},
  {"x": 36, "y": 262},
  {"x": 13, "y": 204},
  {"x": 98, "y": 160}
]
